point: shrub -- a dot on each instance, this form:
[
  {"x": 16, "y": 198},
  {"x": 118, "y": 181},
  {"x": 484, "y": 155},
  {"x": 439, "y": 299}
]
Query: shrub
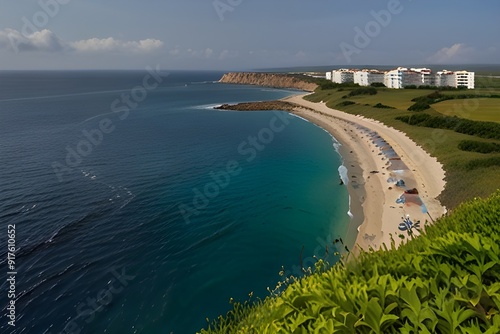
[
  {"x": 383, "y": 106},
  {"x": 327, "y": 85},
  {"x": 482, "y": 163},
  {"x": 445, "y": 281},
  {"x": 419, "y": 106},
  {"x": 363, "y": 91},
  {"x": 377, "y": 84},
  {"x": 478, "y": 146},
  {"x": 345, "y": 103},
  {"x": 487, "y": 130}
]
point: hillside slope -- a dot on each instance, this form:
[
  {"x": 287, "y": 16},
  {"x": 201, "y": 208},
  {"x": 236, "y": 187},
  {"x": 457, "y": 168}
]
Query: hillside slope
[{"x": 268, "y": 80}]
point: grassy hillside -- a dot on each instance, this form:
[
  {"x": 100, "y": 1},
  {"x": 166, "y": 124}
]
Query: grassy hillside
[
  {"x": 463, "y": 182},
  {"x": 488, "y": 109},
  {"x": 446, "y": 281}
]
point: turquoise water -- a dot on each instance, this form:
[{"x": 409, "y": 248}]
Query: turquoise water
[{"x": 124, "y": 242}]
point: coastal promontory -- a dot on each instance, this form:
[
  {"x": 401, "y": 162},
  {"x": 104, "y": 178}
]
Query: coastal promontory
[{"x": 273, "y": 80}]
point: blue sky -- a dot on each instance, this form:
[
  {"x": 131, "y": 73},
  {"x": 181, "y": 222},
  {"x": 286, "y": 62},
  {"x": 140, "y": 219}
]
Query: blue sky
[{"x": 245, "y": 34}]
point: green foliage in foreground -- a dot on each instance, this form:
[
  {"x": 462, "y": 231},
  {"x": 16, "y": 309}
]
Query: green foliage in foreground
[
  {"x": 446, "y": 281},
  {"x": 488, "y": 130}
]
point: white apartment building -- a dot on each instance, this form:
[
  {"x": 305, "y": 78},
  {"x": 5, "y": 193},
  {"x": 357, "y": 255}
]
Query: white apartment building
[
  {"x": 401, "y": 77},
  {"x": 455, "y": 79},
  {"x": 464, "y": 78},
  {"x": 367, "y": 77},
  {"x": 425, "y": 74},
  {"x": 445, "y": 78},
  {"x": 342, "y": 76},
  {"x": 394, "y": 78}
]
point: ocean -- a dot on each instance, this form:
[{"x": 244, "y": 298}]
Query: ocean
[{"x": 140, "y": 209}]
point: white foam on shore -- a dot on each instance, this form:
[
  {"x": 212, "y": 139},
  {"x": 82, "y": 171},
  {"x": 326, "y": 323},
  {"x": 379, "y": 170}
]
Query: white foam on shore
[
  {"x": 210, "y": 106},
  {"x": 302, "y": 118},
  {"x": 343, "y": 174},
  {"x": 349, "y": 213}
]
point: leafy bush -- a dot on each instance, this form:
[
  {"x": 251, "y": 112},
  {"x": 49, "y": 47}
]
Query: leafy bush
[
  {"x": 488, "y": 130},
  {"x": 383, "y": 106},
  {"x": 478, "y": 146},
  {"x": 327, "y": 85},
  {"x": 483, "y": 163},
  {"x": 345, "y": 103},
  {"x": 363, "y": 91},
  {"x": 419, "y": 106},
  {"x": 436, "y": 96},
  {"x": 424, "y": 102},
  {"x": 377, "y": 84},
  {"x": 446, "y": 281}
]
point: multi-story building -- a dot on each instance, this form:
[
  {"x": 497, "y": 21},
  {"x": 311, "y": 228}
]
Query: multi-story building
[
  {"x": 426, "y": 77},
  {"x": 343, "y": 76},
  {"x": 367, "y": 77},
  {"x": 401, "y": 77},
  {"x": 445, "y": 78},
  {"x": 464, "y": 79},
  {"x": 394, "y": 78}
]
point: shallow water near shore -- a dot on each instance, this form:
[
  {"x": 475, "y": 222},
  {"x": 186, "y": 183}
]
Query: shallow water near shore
[{"x": 128, "y": 229}]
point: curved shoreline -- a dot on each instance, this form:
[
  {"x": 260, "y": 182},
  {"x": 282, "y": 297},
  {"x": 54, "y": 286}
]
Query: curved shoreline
[
  {"x": 381, "y": 213},
  {"x": 372, "y": 197}
]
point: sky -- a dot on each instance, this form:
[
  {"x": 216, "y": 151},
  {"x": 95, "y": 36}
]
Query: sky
[{"x": 245, "y": 34}]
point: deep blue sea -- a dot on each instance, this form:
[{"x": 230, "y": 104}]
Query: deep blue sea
[{"x": 140, "y": 209}]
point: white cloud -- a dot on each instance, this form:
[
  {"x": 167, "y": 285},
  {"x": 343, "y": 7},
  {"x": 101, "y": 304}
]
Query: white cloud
[
  {"x": 44, "y": 41},
  {"x": 456, "y": 53},
  {"x": 208, "y": 53},
  {"x": 47, "y": 41},
  {"x": 180, "y": 52},
  {"x": 113, "y": 45},
  {"x": 226, "y": 54}
]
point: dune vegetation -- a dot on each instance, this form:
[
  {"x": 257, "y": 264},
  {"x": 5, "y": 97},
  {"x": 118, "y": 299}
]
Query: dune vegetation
[{"x": 444, "y": 281}]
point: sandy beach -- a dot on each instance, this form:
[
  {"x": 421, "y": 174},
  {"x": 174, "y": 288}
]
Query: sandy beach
[{"x": 377, "y": 156}]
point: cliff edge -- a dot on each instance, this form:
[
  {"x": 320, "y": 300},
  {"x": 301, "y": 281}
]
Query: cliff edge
[{"x": 268, "y": 80}]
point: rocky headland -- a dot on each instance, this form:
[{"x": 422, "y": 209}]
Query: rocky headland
[{"x": 274, "y": 80}]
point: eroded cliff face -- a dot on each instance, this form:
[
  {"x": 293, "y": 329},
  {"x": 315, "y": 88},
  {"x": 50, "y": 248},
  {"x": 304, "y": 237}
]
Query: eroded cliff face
[{"x": 268, "y": 80}]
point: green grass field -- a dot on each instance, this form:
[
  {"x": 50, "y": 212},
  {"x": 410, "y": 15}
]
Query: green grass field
[
  {"x": 488, "y": 81},
  {"x": 477, "y": 109},
  {"x": 462, "y": 184}
]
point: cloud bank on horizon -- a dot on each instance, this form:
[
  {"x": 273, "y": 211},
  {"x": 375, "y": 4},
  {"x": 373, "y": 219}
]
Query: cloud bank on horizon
[
  {"x": 239, "y": 34},
  {"x": 47, "y": 41}
]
